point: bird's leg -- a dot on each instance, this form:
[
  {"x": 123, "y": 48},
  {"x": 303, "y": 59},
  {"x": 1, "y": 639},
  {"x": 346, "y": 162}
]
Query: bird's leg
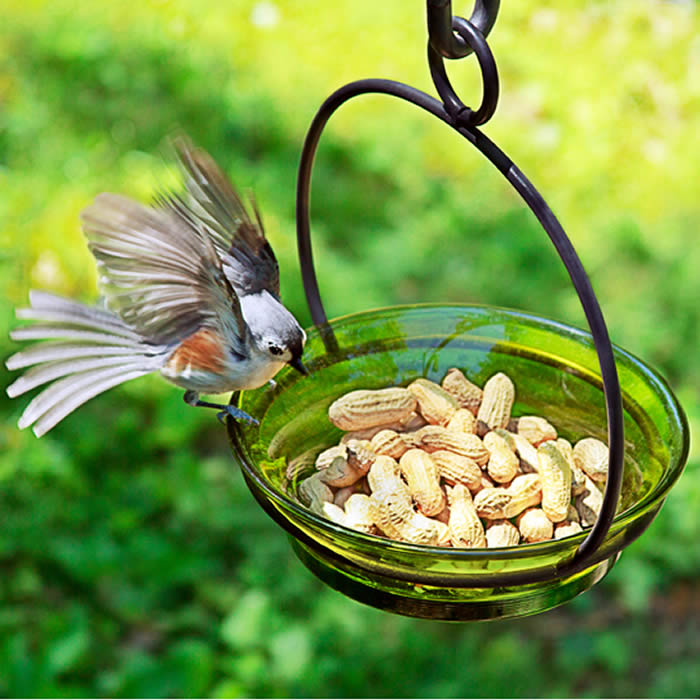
[{"x": 192, "y": 399}]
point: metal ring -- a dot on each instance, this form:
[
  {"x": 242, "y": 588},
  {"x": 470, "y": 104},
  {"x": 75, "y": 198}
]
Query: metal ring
[
  {"x": 441, "y": 26},
  {"x": 460, "y": 113},
  {"x": 585, "y": 556}
]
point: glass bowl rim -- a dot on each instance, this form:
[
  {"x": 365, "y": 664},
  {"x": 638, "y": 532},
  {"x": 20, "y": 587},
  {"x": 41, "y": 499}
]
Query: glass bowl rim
[{"x": 547, "y": 548}]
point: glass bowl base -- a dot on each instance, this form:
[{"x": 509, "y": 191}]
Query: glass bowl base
[{"x": 446, "y": 604}]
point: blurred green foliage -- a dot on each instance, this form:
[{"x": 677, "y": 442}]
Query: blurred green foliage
[{"x": 133, "y": 561}]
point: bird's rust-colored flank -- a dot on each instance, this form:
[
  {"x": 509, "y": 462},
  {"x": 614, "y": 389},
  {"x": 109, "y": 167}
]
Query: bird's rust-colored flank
[{"x": 202, "y": 351}]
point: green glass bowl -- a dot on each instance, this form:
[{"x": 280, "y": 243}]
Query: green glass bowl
[{"x": 556, "y": 375}]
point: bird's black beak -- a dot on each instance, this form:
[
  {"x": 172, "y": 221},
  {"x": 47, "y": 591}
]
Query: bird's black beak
[{"x": 298, "y": 366}]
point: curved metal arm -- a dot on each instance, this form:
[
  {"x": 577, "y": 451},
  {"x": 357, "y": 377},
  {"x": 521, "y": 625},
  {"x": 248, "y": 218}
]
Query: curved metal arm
[{"x": 441, "y": 26}]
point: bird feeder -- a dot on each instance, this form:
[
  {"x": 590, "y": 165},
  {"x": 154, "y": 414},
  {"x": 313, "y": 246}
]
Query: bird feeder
[{"x": 578, "y": 379}]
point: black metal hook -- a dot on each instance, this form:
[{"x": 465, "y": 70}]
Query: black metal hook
[
  {"x": 460, "y": 113},
  {"x": 441, "y": 26}
]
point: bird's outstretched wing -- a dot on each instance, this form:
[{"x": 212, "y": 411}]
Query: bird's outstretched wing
[
  {"x": 212, "y": 203},
  {"x": 160, "y": 272}
]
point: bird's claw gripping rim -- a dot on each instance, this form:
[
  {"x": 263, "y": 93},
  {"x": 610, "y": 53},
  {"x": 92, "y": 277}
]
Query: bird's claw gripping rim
[
  {"x": 192, "y": 399},
  {"x": 237, "y": 414}
]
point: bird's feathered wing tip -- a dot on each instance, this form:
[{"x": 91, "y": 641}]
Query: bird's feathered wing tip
[{"x": 213, "y": 203}]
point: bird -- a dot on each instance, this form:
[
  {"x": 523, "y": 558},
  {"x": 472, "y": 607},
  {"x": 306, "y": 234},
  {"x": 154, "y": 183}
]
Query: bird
[{"x": 190, "y": 289}]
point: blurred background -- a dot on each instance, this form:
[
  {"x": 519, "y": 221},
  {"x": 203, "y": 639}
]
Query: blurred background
[{"x": 133, "y": 561}]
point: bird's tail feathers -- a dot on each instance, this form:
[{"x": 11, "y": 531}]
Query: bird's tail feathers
[{"x": 83, "y": 352}]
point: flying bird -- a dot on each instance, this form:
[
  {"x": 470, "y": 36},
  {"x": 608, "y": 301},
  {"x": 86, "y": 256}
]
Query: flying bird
[{"x": 191, "y": 290}]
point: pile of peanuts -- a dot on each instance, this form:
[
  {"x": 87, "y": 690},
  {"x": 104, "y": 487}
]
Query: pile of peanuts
[{"x": 446, "y": 464}]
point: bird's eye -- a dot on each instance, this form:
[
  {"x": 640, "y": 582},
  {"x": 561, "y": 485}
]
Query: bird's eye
[{"x": 275, "y": 350}]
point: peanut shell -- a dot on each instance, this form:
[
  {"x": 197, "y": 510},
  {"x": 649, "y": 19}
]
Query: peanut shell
[
  {"x": 591, "y": 455},
  {"x": 555, "y": 474},
  {"x": 421, "y": 474},
  {"x": 434, "y": 403},
  {"x": 465, "y": 527},
  {"x": 535, "y": 526},
  {"x": 497, "y": 401},
  {"x": 468, "y": 395},
  {"x": 367, "y": 408},
  {"x": 502, "y": 533}
]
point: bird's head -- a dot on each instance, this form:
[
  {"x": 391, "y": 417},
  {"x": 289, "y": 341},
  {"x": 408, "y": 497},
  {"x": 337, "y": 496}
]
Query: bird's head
[
  {"x": 275, "y": 330},
  {"x": 287, "y": 348}
]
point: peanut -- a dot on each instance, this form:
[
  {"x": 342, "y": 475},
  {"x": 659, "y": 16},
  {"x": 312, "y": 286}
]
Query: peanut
[
  {"x": 368, "y": 433},
  {"x": 534, "y": 429},
  {"x": 360, "y": 455},
  {"x": 468, "y": 395},
  {"x": 314, "y": 493},
  {"x": 420, "y": 472},
  {"x": 578, "y": 476},
  {"x": 526, "y": 452},
  {"x": 434, "y": 403},
  {"x": 367, "y": 408},
  {"x": 334, "y": 513},
  {"x": 566, "y": 528},
  {"x": 343, "y": 465},
  {"x": 383, "y": 477},
  {"x": 361, "y": 513},
  {"x": 503, "y": 464},
  {"x": 413, "y": 439},
  {"x": 591, "y": 455},
  {"x": 555, "y": 473},
  {"x": 465, "y": 527},
  {"x": 499, "y": 503},
  {"x": 462, "y": 421},
  {"x": 339, "y": 473},
  {"x": 456, "y": 469},
  {"x": 392, "y": 509},
  {"x": 502, "y": 437},
  {"x": 490, "y": 503},
  {"x": 534, "y": 525},
  {"x": 325, "y": 458},
  {"x": 502, "y": 533},
  {"x": 497, "y": 402},
  {"x": 434, "y": 437},
  {"x": 388, "y": 442},
  {"x": 397, "y": 519},
  {"x": 526, "y": 490}
]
